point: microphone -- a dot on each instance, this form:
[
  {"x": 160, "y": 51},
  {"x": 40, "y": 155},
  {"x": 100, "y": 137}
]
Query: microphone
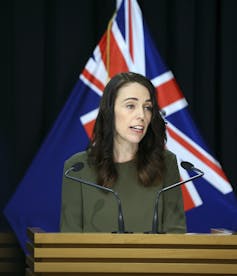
[
  {"x": 77, "y": 167},
  {"x": 185, "y": 165},
  {"x": 190, "y": 167}
]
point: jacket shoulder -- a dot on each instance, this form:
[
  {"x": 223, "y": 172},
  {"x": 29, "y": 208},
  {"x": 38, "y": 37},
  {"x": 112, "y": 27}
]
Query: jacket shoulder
[
  {"x": 169, "y": 155},
  {"x": 75, "y": 158}
]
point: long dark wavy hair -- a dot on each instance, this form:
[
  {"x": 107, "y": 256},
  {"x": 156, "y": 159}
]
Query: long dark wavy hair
[{"x": 150, "y": 154}]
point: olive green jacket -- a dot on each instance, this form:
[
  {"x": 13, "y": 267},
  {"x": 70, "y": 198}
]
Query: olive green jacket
[{"x": 88, "y": 209}]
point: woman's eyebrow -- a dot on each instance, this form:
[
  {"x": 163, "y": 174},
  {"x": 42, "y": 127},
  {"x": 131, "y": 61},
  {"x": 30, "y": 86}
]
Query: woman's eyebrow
[
  {"x": 130, "y": 98},
  {"x": 135, "y": 99}
]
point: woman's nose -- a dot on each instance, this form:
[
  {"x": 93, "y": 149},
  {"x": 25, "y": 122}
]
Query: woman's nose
[{"x": 140, "y": 113}]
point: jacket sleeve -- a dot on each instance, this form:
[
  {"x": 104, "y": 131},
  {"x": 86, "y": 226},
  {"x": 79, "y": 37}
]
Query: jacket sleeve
[
  {"x": 174, "y": 220},
  {"x": 71, "y": 207}
]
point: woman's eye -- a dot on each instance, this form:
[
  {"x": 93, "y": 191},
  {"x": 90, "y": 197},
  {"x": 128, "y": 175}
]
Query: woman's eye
[
  {"x": 149, "y": 108},
  {"x": 130, "y": 106}
]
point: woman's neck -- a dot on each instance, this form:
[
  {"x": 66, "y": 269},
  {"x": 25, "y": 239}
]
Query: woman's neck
[{"x": 124, "y": 153}]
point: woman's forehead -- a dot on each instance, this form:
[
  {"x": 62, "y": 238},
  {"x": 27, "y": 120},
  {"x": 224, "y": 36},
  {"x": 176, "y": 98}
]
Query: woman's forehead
[{"x": 133, "y": 90}]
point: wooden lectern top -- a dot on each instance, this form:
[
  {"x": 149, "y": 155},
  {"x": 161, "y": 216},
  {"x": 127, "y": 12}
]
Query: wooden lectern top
[{"x": 130, "y": 254}]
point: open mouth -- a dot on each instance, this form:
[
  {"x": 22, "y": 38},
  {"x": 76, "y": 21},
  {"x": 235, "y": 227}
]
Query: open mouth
[{"x": 137, "y": 128}]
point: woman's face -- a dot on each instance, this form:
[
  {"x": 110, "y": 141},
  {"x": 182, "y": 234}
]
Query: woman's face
[{"x": 132, "y": 113}]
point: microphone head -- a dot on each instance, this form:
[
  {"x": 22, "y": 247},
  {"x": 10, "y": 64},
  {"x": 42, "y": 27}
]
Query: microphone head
[
  {"x": 77, "y": 167},
  {"x": 186, "y": 165}
]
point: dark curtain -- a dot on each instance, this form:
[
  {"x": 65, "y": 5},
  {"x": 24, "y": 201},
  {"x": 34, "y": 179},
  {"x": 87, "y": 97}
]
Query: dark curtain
[{"x": 45, "y": 45}]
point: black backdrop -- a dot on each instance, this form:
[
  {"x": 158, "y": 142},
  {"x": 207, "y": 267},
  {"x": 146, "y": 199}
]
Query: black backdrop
[{"x": 46, "y": 43}]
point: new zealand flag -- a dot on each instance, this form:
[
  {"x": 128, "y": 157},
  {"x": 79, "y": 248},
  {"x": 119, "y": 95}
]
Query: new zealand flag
[{"x": 125, "y": 46}]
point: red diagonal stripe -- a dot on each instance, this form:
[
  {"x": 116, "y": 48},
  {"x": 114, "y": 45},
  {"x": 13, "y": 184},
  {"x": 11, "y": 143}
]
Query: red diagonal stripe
[
  {"x": 198, "y": 154},
  {"x": 188, "y": 201},
  {"x": 168, "y": 93},
  {"x": 92, "y": 79}
]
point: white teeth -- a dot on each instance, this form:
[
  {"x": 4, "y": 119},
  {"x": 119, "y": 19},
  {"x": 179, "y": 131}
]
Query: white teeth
[{"x": 138, "y": 127}]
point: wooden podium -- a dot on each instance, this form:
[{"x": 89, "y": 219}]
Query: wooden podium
[{"x": 130, "y": 254}]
